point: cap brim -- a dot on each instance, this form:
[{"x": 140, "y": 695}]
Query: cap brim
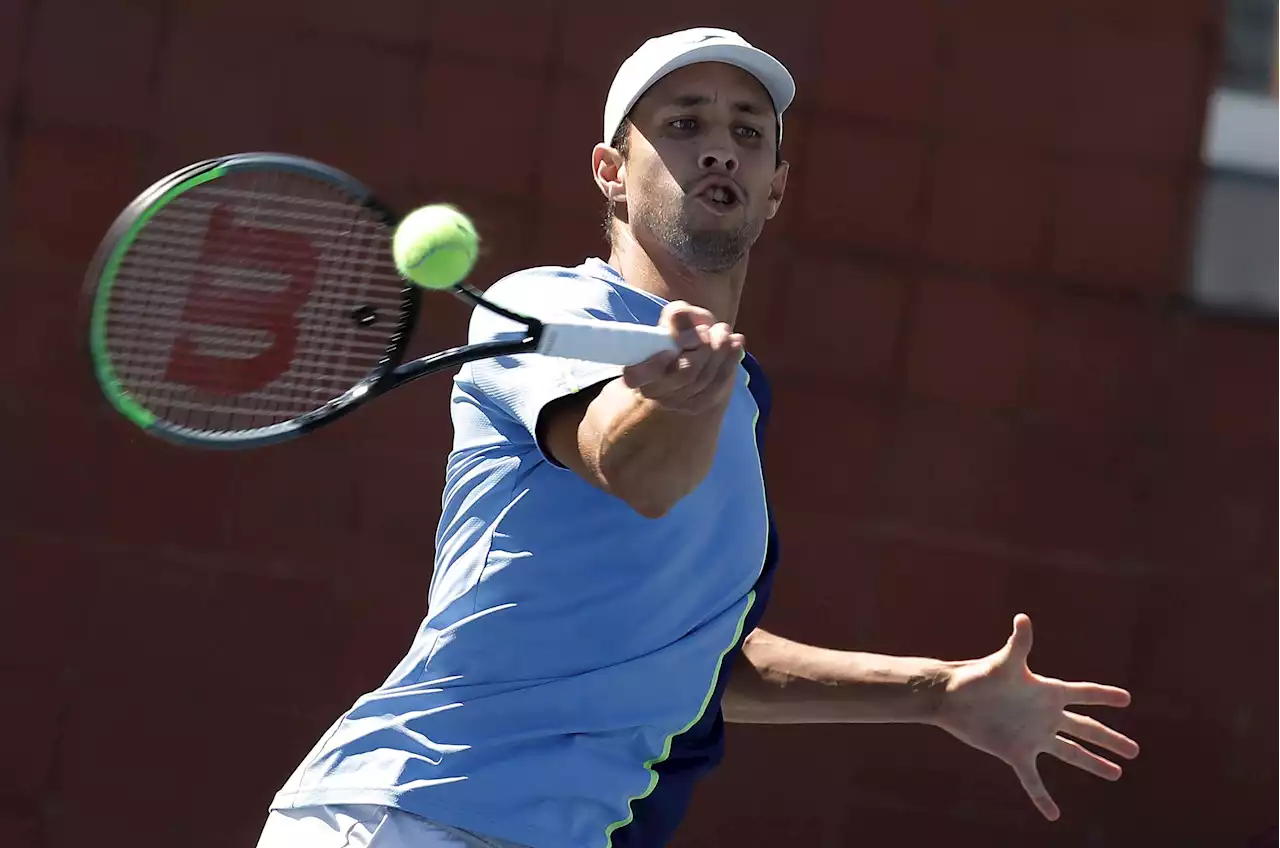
[
  {"x": 771, "y": 73},
  {"x": 768, "y": 71}
]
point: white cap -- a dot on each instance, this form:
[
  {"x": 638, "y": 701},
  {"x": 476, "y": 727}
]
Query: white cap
[{"x": 659, "y": 56}]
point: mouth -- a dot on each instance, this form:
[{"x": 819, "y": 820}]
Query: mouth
[{"x": 719, "y": 196}]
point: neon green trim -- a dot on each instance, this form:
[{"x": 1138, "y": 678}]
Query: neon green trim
[
  {"x": 666, "y": 746},
  {"x": 107, "y": 378},
  {"x": 737, "y": 634}
]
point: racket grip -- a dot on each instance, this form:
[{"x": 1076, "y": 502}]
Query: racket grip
[{"x": 607, "y": 342}]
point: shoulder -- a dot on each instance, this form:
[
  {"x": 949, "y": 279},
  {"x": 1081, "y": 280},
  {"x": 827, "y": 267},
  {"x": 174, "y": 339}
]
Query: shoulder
[
  {"x": 536, "y": 289},
  {"x": 589, "y": 290}
]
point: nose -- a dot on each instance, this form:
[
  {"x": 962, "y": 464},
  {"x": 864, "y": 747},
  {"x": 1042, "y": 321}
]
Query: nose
[{"x": 718, "y": 157}]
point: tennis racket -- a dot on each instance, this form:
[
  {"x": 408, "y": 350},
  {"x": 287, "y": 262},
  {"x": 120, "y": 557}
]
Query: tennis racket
[{"x": 250, "y": 299}]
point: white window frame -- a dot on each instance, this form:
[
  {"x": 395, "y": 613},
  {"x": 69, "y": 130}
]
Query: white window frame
[{"x": 1241, "y": 144}]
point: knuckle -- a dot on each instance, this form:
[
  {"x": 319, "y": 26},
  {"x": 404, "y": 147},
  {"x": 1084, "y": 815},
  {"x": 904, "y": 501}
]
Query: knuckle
[{"x": 684, "y": 309}]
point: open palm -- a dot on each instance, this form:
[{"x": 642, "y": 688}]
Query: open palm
[{"x": 997, "y": 705}]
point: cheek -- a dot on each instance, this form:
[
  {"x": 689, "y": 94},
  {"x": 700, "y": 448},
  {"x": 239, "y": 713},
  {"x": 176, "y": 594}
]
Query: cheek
[
  {"x": 670, "y": 163},
  {"x": 762, "y": 182},
  {"x": 656, "y": 182}
]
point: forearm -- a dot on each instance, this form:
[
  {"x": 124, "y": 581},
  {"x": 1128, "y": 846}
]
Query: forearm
[
  {"x": 778, "y": 681},
  {"x": 646, "y": 455}
]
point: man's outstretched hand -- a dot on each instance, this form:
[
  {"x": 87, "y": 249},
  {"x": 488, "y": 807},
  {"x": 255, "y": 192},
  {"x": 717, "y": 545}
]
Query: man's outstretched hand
[{"x": 997, "y": 705}]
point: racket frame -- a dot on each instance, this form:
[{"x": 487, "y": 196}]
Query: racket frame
[{"x": 124, "y": 231}]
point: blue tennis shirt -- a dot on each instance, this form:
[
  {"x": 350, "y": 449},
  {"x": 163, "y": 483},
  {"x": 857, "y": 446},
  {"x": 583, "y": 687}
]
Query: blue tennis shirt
[{"x": 564, "y": 690}]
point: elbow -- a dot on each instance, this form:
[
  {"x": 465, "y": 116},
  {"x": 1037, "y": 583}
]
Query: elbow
[
  {"x": 652, "y": 509},
  {"x": 651, "y": 495},
  {"x": 649, "y": 502}
]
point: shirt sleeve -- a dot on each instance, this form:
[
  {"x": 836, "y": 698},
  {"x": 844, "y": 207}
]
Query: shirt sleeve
[{"x": 520, "y": 386}]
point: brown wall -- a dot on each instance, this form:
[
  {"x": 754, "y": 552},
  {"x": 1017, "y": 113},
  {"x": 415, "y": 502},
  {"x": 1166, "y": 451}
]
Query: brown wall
[{"x": 971, "y": 301}]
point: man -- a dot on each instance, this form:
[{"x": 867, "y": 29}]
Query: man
[{"x": 606, "y": 548}]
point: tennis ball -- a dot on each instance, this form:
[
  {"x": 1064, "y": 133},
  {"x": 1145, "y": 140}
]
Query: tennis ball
[{"x": 435, "y": 246}]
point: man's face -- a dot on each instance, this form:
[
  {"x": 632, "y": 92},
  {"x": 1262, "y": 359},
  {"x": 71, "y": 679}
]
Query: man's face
[{"x": 701, "y": 175}]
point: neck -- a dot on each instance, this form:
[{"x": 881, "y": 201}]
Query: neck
[{"x": 657, "y": 272}]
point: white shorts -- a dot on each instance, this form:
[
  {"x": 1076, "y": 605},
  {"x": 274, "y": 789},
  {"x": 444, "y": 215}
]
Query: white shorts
[{"x": 365, "y": 826}]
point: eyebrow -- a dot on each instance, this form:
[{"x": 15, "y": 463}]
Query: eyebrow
[{"x": 745, "y": 106}]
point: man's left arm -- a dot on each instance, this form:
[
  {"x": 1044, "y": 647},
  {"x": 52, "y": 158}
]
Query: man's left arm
[
  {"x": 995, "y": 704},
  {"x": 778, "y": 681}
]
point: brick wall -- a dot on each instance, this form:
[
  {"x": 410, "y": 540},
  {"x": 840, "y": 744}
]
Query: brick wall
[{"x": 1017, "y": 409}]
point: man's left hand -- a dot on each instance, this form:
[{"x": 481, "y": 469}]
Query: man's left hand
[{"x": 997, "y": 705}]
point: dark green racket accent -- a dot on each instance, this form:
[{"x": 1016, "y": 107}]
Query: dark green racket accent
[
  {"x": 242, "y": 300},
  {"x": 111, "y": 386}
]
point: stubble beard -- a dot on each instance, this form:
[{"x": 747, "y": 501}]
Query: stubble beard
[{"x": 706, "y": 250}]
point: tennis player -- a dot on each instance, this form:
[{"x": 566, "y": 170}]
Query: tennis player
[{"x": 606, "y": 547}]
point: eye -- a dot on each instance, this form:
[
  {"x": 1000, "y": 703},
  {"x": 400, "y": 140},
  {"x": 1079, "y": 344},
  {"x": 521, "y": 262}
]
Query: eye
[
  {"x": 749, "y": 132},
  {"x": 684, "y": 124}
]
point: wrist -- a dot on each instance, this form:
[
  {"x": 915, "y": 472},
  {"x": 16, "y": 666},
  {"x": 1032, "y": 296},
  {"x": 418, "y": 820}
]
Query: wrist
[
  {"x": 941, "y": 678},
  {"x": 954, "y": 692}
]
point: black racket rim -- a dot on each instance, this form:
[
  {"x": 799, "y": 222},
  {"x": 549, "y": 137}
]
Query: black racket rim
[{"x": 124, "y": 232}]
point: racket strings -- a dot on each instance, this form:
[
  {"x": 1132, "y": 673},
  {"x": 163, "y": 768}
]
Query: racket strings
[
  {"x": 342, "y": 332},
  {"x": 233, "y": 308}
]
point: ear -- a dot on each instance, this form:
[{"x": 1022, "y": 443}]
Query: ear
[
  {"x": 610, "y": 171},
  {"x": 777, "y": 188}
]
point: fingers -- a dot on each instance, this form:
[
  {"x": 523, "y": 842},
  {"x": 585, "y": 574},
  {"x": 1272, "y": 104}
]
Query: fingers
[
  {"x": 1095, "y": 693},
  {"x": 1071, "y": 753},
  {"x": 685, "y": 328},
  {"x": 686, "y": 376},
  {"x": 1019, "y": 644},
  {"x": 689, "y": 327},
  {"x": 718, "y": 360},
  {"x": 1034, "y": 786},
  {"x": 1075, "y": 754},
  {"x": 683, "y": 320},
  {"x": 701, "y": 373},
  {"x": 670, "y": 375},
  {"x": 1095, "y": 732},
  {"x": 649, "y": 371},
  {"x": 729, "y": 367}
]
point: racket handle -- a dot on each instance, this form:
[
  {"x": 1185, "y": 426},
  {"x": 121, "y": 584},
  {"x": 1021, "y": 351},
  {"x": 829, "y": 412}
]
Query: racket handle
[{"x": 607, "y": 342}]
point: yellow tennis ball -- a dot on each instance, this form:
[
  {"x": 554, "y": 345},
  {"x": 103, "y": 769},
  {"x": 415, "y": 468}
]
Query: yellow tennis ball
[{"x": 435, "y": 246}]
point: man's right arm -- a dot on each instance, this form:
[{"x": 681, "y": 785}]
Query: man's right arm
[{"x": 649, "y": 437}]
